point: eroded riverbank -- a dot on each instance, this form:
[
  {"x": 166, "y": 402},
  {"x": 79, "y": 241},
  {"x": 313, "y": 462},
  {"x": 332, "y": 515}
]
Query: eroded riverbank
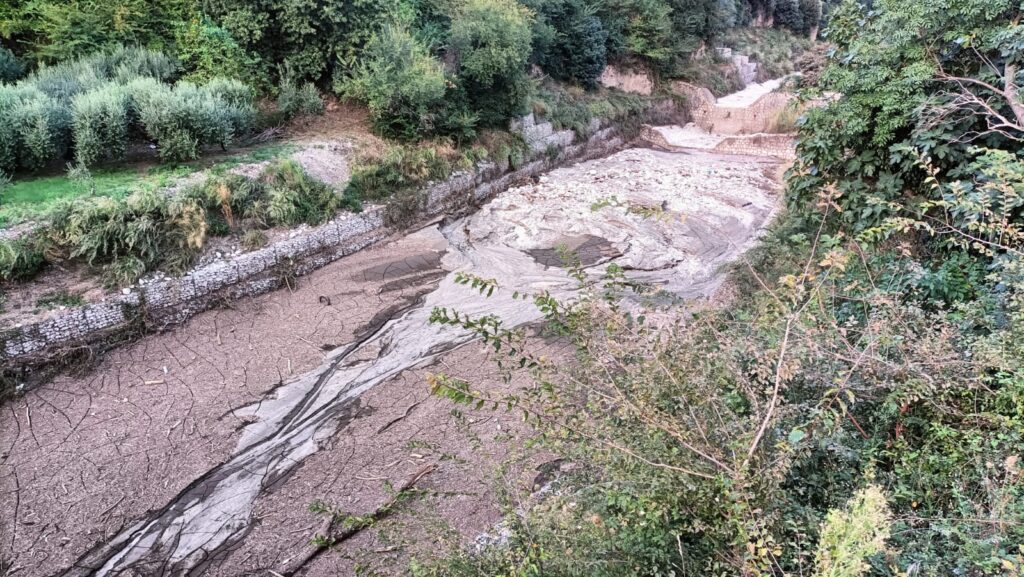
[{"x": 199, "y": 450}]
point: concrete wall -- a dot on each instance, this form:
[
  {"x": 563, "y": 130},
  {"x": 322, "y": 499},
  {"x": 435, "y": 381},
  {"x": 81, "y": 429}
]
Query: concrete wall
[{"x": 159, "y": 305}]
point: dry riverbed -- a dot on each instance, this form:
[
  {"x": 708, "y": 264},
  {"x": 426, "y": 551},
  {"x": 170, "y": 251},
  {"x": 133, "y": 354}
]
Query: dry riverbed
[{"x": 199, "y": 451}]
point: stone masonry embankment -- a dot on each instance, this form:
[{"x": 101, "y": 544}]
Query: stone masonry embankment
[{"x": 158, "y": 305}]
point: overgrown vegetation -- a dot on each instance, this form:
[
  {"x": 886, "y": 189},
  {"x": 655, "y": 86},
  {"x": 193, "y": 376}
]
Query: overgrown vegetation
[
  {"x": 426, "y": 69},
  {"x": 126, "y": 238},
  {"x": 776, "y": 52},
  {"x": 379, "y": 174},
  {"x": 34, "y": 198},
  {"x": 97, "y": 106},
  {"x": 857, "y": 409}
]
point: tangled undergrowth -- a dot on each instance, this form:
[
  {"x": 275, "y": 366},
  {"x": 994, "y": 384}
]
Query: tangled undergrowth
[
  {"x": 394, "y": 171},
  {"x": 148, "y": 230},
  {"x": 836, "y": 421},
  {"x": 858, "y": 409}
]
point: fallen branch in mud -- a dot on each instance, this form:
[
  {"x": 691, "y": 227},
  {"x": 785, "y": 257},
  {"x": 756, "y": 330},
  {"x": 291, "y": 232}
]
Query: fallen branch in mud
[
  {"x": 326, "y": 537},
  {"x": 408, "y": 410}
]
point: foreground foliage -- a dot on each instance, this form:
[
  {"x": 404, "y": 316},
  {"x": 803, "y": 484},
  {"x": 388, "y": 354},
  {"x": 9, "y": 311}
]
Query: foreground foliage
[
  {"x": 835, "y": 422},
  {"x": 858, "y": 409}
]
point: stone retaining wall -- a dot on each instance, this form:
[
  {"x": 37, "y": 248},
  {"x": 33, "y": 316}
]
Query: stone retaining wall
[
  {"x": 775, "y": 145},
  {"x": 761, "y": 116},
  {"x": 159, "y": 305}
]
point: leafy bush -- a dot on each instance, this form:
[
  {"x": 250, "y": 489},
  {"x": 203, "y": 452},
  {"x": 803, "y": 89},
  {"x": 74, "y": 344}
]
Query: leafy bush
[
  {"x": 403, "y": 167},
  {"x": 789, "y": 15},
  {"x": 65, "y": 80},
  {"x": 505, "y": 148},
  {"x": 777, "y": 52},
  {"x": 237, "y": 103},
  {"x": 54, "y": 30},
  {"x": 186, "y": 117},
  {"x": 575, "y": 110},
  {"x": 43, "y": 126},
  {"x": 640, "y": 28},
  {"x": 128, "y": 237},
  {"x": 97, "y": 104},
  {"x": 492, "y": 41},
  {"x": 850, "y": 537},
  {"x": 400, "y": 82},
  {"x": 21, "y": 258},
  {"x": 207, "y": 51},
  {"x": 569, "y": 41},
  {"x": 896, "y": 109},
  {"x": 33, "y": 128},
  {"x": 312, "y": 38},
  {"x": 11, "y": 67},
  {"x": 295, "y": 197},
  {"x": 694, "y": 22},
  {"x": 294, "y": 100},
  {"x": 811, "y": 10},
  {"x": 101, "y": 120}
]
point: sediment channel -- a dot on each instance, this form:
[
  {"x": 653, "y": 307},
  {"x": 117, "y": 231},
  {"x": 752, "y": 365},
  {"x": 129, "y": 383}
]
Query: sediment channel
[{"x": 199, "y": 450}]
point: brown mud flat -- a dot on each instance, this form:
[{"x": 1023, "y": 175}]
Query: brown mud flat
[
  {"x": 199, "y": 451},
  {"x": 83, "y": 456}
]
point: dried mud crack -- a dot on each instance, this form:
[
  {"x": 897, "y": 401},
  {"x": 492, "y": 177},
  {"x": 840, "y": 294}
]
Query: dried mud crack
[{"x": 198, "y": 451}]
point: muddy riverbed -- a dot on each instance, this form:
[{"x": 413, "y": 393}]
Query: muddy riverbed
[{"x": 199, "y": 451}]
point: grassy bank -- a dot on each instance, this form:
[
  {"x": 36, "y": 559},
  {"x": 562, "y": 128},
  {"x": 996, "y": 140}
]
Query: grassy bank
[{"x": 35, "y": 198}]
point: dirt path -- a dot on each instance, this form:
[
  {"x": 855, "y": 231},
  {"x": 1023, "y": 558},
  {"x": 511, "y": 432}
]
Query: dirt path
[{"x": 199, "y": 451}]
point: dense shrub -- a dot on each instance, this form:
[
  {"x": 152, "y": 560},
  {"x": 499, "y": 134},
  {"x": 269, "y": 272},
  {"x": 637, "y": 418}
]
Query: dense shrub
[
  {"x": 789, "y": 15},
  {"x": 640, "y": 28},
  {"x": 21, "y": 258},
  {"x": 575, "y": 110},
  {"x": 693, "y": 23},
  {"x": 100, "y": 102},
  {"x": 128, "y": 237},
  {"x": 778, "y": 53},
  {"x": 42, "y": 125},
  {"x": 401, "y": 168},
  {"x": 311, "y": 38},
  {"x": 401, "y": 83},
  {"x": 11, "y": 67},
  {"x": 491, "y": 39},
  {"x": 238, "y": 103},
  {"x": 296, "y": 100},
  {"x": 869, "y": 145},
  {"x": 812, "y": 11},
  {"x": 569, "y": 41},
  {"x": 56, "y": 30},
  {"x": 33, "y": 128},
  {"x": 186, "y": 117},
  {"x": 295, "y": 197},
  {"x": 101, "y": 120},
  {"x": 65, "y": 80},
  {"x": 207, "y": 51}
]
